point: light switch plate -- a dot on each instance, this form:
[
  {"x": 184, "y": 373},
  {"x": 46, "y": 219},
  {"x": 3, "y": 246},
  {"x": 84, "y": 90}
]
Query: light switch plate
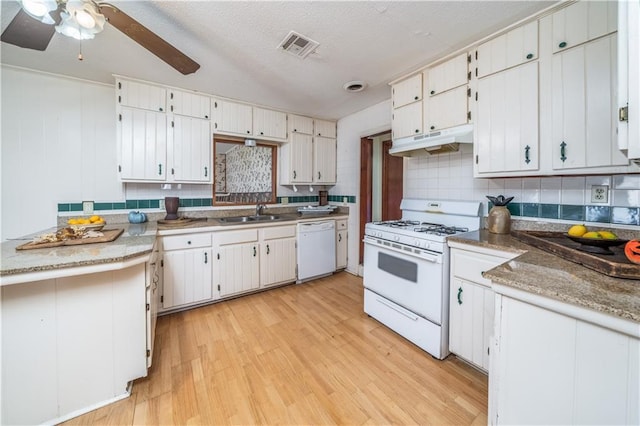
[
  {"x": 599, "y": 194},
  {"x": 87, "y": 207}
]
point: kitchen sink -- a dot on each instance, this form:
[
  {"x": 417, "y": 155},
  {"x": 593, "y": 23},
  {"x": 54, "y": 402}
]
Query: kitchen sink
[{"x": 249, "y": 219}]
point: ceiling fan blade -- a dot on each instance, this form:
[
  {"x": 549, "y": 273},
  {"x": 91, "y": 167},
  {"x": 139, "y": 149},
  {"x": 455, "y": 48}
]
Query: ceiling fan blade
[
  {"x": 25, "y": 31},
  {"x": 148, "y": 39}
]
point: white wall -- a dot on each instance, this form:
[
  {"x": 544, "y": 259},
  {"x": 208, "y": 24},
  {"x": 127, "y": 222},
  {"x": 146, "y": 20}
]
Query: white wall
[
  {"x": 367, "y": 122},
  {"x": 58, "y": 145}
]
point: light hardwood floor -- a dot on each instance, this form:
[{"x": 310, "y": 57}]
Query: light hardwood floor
[{"x": 300, "y": 354}]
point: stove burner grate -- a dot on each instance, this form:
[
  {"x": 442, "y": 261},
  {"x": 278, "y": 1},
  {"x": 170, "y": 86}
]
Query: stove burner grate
[{"x": 440, "y": 229}]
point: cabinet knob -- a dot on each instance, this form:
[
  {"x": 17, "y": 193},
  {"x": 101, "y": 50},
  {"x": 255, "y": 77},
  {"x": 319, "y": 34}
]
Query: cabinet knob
[
  {"x": 248, "y": 132},
  {"x": 415, "y": 98},
  {"x": 530, "y": 55},
  {"x": 189, "y": 242},
  {"x": 206, "y": 116},
  {"x": 262, "y": 133},
  {"x": 562, "y": 44},
  {"x": 417, "y": 130},
  {"x": 295, "y": 130},
  {"x": 433, "y": 92},
  {"x": 432, "y": 127}
]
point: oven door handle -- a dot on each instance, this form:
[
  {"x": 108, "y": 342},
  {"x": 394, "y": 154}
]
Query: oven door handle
[
  {"x": 398, "y": 309},
  {"x": 423, "y": 256}
]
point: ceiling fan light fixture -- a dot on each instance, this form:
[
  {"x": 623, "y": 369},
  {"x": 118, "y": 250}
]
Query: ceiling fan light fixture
[
  {"x": 81, "y": 20},
  {"x": 39, "y": 9}
]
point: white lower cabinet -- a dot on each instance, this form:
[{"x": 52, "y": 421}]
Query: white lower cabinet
[
  {"x": 277, "y": 255},
  {"x": 187, "y": 270},
  {"x": 237, "y": 258},
  {"x": 341, "y": 244},
  {"x": 549, "y": 367},
  {"x": 471, "y": 303}
]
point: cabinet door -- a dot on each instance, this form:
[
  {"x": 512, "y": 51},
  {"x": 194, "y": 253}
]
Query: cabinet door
[
  {"x": 326, "y": 129},
  {"x": 407, "y": 91},
  {"x": 140, "y": 95},
  {"x": 447, "y": 109},
  {"x": 506, "y": 136},
  {"x": 583, "y": 21},
  {"x": 277, "y": 261},
  {"x": 471, "y": 314},
  {"x": 341, "y": 248},
  {"x": 191, "y": 151},
  {"x": 269, "y": 123},
  {"x": 189, "y": 104},
  {"x": 508, "y": 50},
  {"x": 324, "y": 160},
  {"x": 232, "y": 117},
  {"x": 448, "y": 75},
  {"x": 584, "y": 106},
  {"x": 187, "y": 277},
  {"x": 300, "y": 124},
  {"x": 143, "y": 145},
  {"x": 301, "y": 155},
  {"x": 407, "y": 121},
  {"x": 238, "y": 268}
]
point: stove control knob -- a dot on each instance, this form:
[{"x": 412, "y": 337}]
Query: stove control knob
[
  {"x": 426, "y": 245},
  {"x": 417, "y": 243},
  {"x": 396, "y": 237},
  {"x": 379, "y": 235}
]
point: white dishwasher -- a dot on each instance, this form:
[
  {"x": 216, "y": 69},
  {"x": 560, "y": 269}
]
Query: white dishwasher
[{"x": 316, "y": 249}]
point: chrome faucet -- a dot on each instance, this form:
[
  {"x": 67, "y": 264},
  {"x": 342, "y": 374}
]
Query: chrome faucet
[{"x": 259, "y": 208}]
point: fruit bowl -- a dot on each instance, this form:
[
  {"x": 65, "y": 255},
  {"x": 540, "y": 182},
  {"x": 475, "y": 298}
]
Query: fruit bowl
[
  {"x": 596, "y": 245},
  {"x": 90, "y": 226}
]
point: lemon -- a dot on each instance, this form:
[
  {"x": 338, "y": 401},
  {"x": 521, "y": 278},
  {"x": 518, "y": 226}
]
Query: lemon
[
  {"x": 95, "y": 218},
  {"x": 592, "y": 235},
  {"x": 577, "y": 230},
  {"x": 608, "y": 235},
  {"x": 72, "y": 221}
]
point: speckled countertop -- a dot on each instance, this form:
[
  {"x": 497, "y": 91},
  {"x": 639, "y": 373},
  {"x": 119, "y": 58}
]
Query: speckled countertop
[
  {"x": 548, "y": 275},
  {"x": 136, "y": 240}
]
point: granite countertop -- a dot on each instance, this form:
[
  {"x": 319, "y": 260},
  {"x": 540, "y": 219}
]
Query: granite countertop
[
  {"x": 538, "y": 272},
  {"x": 136, "y": 240}
]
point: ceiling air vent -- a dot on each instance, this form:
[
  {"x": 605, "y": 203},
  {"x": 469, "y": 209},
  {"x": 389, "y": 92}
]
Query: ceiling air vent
[{"x": 298, "y": 45}]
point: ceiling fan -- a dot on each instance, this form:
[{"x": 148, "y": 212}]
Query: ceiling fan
[{"x": 37, "y": 21}]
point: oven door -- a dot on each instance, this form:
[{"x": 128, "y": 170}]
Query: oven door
[{"x": 412, "y": 280}]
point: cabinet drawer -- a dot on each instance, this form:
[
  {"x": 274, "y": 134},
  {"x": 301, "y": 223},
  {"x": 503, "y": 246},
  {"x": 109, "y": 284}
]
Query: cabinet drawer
[
  {"x": 278, "y": 232},
  {"x": 470, "y": 266},
  {"x": 179, "y": 242},
  {"x": 341, "y": 224},
  {"x": 236, "y": 237}
]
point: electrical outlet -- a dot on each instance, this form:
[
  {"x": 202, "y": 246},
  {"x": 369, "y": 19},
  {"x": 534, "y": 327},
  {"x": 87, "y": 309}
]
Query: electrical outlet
[
  {"x": 285, "y": 200},
  {"x": 600, "y": 194},
  {"x": 87, "y": 207},
  {"x": 345, "y": 200},
  {"x": 161, "y": 203}
]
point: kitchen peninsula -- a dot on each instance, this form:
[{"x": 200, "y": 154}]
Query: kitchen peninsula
[{"x": 74, "y": 325}]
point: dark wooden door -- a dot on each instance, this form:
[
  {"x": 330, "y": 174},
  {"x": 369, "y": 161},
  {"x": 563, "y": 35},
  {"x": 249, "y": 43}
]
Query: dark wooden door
[{"x": 391, "y": 184}]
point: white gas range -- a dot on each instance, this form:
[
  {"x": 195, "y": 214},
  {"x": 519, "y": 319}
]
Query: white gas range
[{"x": 406, "y": 269}]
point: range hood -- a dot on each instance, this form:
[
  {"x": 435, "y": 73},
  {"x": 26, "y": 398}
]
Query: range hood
[{"x": 442, "y": 141}]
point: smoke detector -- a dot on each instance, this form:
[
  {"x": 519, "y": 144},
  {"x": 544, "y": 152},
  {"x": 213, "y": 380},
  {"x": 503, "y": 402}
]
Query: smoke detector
[
  {"x": 298, "y": 45},
  {"x": 354, "y": 86}
]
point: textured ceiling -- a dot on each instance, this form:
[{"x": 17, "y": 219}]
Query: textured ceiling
[{"x": 236, "y": 45}]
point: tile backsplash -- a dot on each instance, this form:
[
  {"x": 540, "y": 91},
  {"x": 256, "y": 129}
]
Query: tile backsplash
[{"x": 450, "y": 176}]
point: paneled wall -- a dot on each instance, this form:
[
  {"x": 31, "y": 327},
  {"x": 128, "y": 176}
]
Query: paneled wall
[{"x": 58, "y": 144}]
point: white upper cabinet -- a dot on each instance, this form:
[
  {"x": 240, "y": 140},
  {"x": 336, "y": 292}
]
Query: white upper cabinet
[
  {"x": 140, "y": 95},
  {"x": 324, "y": 128},
  {"x": 296, "y": 160},
  {"x": 584, "y": 106},
  {"x": 270, "y": 124},
  {"x": 506, "y": 126},
  {"x": 191, "y": 150},
  {"x": 189, "y": 104},
  {"x": 448, "y": 75},
  {"x": 508, "y": 50},
  {"x": 143, "y": 145},
  {"x": 407, "y": 91},
  {"x": 583, "y": 21},
  {"x": 231, "y": 117},
  {"x": 300, "y": 124},
  {"x": 628, "y": 81},
  {"x": 447, "y": 109},
  {"x": 324, "y": 160},
  {"x": 407, "y": 121}
]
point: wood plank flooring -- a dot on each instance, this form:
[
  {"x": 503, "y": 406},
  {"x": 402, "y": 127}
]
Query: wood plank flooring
[{"x": 300, "y": 354}]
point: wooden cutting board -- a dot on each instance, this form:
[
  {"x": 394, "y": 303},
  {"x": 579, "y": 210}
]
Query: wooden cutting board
[
  {"x": 109, "y": 235},
  {"x": 616, "y": 265}
]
